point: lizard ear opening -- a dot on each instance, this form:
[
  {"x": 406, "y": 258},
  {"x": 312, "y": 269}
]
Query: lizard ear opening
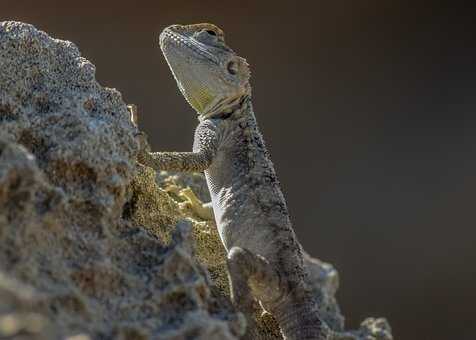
[{"x": 232, "y": 67}]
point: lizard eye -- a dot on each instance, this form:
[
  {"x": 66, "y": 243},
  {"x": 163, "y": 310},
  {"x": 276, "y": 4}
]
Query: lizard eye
[
  {"x": 232, "y": 67},
  {"x": 211, "y": 32}
]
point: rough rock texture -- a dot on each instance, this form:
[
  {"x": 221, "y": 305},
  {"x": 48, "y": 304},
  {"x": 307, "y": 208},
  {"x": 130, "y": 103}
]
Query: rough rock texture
[
  {"x": 67, "y": 164},
  {"x": 93, "y": 245}
]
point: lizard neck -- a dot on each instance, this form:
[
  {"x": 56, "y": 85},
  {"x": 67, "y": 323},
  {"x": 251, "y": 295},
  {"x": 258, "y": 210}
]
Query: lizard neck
[
  {"x": 232, "y": 108},
  {"x": 242, "y": 109}
]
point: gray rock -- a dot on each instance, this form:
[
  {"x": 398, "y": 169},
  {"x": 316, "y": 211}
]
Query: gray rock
[
  {"x": 67, "y": 159},
  {"x": 78, "y": 131}
]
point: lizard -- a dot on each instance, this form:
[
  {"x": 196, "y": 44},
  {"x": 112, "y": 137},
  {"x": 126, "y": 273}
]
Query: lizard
[{"x": 264, "y": 258}]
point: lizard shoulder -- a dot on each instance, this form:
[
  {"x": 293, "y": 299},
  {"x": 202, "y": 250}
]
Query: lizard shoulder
[{"x": 206, "y": 135}]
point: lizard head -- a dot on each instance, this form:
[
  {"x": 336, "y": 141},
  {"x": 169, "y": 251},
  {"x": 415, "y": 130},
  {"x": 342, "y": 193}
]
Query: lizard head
[{"x": 210, "y": 75}]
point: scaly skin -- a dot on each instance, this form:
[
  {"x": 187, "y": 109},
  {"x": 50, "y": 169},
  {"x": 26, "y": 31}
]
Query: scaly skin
[{"x": 264, "y": 258}]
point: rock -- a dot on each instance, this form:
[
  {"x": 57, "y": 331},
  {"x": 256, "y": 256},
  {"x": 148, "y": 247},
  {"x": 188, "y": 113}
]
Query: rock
[
  {"x": 19, "y": 318},
  {"x": 93, "y": 245},
  {"x": 67, "y": 171}
]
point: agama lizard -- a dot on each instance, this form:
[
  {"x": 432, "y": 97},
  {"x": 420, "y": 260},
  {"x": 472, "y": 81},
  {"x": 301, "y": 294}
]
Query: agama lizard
[{"x": 265, "y": 261}]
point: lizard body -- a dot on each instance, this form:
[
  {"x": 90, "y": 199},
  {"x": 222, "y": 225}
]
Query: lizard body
[{"x": 265, "y": 260}]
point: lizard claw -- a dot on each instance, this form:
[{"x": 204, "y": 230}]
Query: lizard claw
[
  {"x": 141, "y": 137},
  {"x": 133, "y": 112}
]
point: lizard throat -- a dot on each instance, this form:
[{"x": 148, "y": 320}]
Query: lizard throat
[{"x": 227, "y": 108}]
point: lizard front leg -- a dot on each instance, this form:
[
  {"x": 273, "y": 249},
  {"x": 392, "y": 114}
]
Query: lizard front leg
[
  {"x": 173, "y": 161},
  {"x": 197, "y": 161},
  {"x": 204, "y": 150},
  {"x": 176, "y": 161}
]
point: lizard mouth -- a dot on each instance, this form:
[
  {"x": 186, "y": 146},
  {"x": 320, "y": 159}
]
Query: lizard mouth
[
  {"x": 170, "y": 38},
  {"x": 184, "y": 55}
]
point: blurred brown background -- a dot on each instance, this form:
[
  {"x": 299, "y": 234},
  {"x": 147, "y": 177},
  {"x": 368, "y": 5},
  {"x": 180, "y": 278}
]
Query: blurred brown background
[{"x": 368, "y": 110}]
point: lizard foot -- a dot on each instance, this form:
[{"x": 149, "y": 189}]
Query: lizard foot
[
  {"x": 260, "y": 276},
  {"x": 192, "y": 202},
  {"x": 252, "y": 275},
  {"x": 143, "y": 157},
  {"x": 144, "y": 148}
]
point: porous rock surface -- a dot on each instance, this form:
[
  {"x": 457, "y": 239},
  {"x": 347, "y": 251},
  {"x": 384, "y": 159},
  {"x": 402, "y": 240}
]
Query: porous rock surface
[{"x": 93, "y": 245}]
